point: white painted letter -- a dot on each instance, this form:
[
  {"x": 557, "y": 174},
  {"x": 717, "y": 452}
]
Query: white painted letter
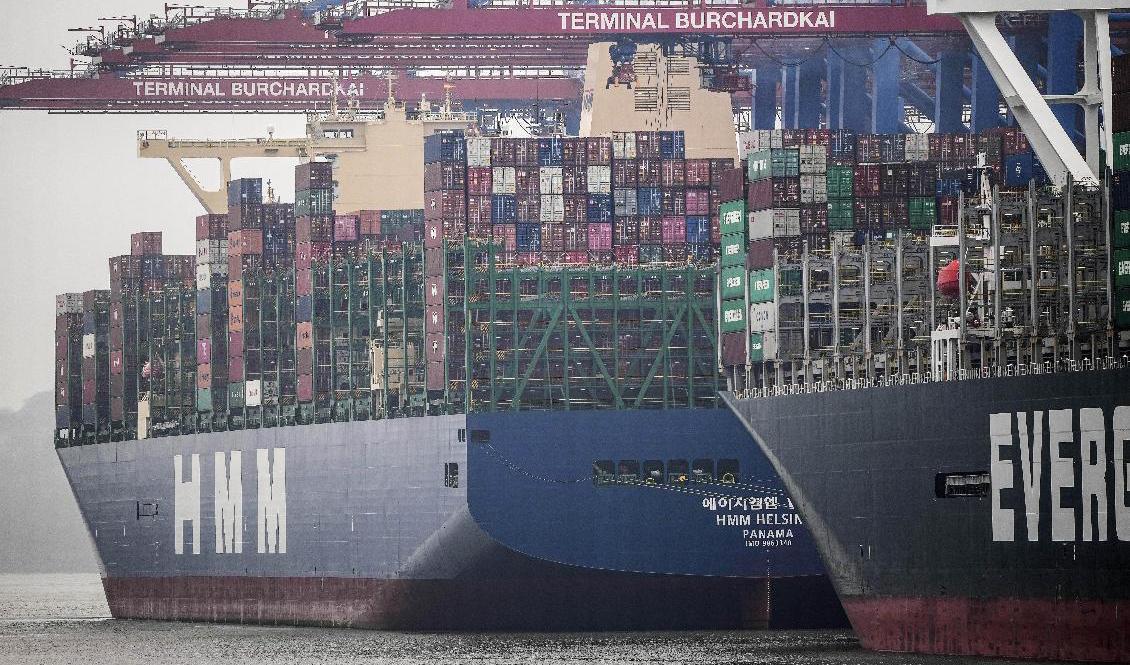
[
  {"x": 1031, "y": 469},
  {"x": 1063, "y": 475},
  {"x": 229, "y": 504},
  {"x": 1092, "y": 432},
  {"x": 186, "y": 504},
  {"x": 271, "y": 527},
  {"x": 1000, "y": 467},
  {"x": 1121, "y": 471}
]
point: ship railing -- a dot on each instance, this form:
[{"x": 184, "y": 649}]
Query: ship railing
[{"x": 1104, "y": 363}]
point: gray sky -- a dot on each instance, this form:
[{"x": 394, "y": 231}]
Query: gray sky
[{"x": 73, "y": 188}]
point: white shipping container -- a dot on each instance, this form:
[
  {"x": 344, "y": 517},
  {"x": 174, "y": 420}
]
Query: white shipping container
[
  {"x": 917, "y": 147},
  {"x": 776, "y": 139},
  {"x": 550, "y": 180},
  {"x": 68, "y": 303},
  {"x": 211, "y": 251},
  {"x": 814, "y": 189},
  {"x": 478, "y": 151},
  {"x": 623, "y": 145},
  {"x": 88, "y": 346},
  {"x": 763, "y": 317},
  {"x": 254, "y": 393},
  {"x": 774, "y": 222},
  {"x": 752, "y": 141},
  {"x": 769, "y": 345},
  {"x": 552, "y": 208},
  {"x": 600, "y": 179},
  {"x": 203, "y": 277},
  {"x": 813, "y": 159},
  {"x": 503, "y": 180}
]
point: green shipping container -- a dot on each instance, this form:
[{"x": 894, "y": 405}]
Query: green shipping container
[
  {"x": 733, "y": 282},
  {"x": 733, "y": 316},
  {"x": 840, "y": 182},
  {"x": 1121, "y": 235},
  {"x": 1122, "y": 151},
  {"x": 775, "y": 163},
  {"x": 923, "y": 212},
  {"x": 761, "y": 286},
  {"x": 1122, "y": 268},
  {"x": 237, "y": 394},
  {"x": 757, "y": 347},
  {"x": 840, "y": 214},
  {"x": 203, "y": 399},
  {"x": 1122, "y": 309},
  {"x": 733, "y": 218},
  {"x": 733, "y": 251}
]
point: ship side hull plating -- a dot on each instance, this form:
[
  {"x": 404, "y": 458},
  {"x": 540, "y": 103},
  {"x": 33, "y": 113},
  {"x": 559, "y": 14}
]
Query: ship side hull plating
[
  {"x": 1037, "y": 565},
  {"x": 373, "y": 524}
]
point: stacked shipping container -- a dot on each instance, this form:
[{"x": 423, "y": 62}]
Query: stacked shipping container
[{"x": 314, "y": 230}]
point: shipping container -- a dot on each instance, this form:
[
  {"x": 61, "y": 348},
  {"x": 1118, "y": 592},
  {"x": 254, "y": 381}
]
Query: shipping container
[
  {"x": 733, "y": 281},
  {"x": 733, "y": 318},
  {"x": 762, "y": 287}
]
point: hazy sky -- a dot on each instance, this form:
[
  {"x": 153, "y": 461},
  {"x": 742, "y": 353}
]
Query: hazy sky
[{"x": 73, "y": 188}]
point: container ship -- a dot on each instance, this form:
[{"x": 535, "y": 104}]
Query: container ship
[
  {"x": 491, "y": 403},
  {"x": 497, "y": 402}
]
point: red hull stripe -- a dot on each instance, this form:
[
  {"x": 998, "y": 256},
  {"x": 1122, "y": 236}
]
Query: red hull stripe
[
  {"x": 566, "y": 602},
  {"x": 1033, "y": 628}
]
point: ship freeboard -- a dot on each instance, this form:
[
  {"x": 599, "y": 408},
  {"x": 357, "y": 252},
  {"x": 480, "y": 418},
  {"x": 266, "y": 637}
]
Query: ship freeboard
[
  {"x": 987, "y": 516},
  {"x": 492, "y": 521}
]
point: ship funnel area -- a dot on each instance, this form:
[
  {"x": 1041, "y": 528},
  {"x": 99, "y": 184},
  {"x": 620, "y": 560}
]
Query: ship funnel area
[{"x": 843, "y": 569}]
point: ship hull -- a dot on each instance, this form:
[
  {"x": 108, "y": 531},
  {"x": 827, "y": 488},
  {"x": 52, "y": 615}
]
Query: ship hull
[
  {"x": 1036, "y": 564},
  {"x": 444, "y": 523}
]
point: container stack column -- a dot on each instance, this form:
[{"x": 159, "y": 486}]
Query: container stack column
[
  {"x": 314, "y": 227},
  {"x": 68, "y": 367},
  {"x": 245, "y": 262},
  {"x": 211, "y": 318}
]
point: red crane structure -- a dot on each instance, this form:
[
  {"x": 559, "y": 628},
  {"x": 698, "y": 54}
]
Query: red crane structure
[{"x": 283, "y": 56}]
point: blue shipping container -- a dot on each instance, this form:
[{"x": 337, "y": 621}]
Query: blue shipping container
[
  {"x": 1018, "y": 170},
  {"x": 304, "y": 308},
  {"x": 245, "y": 190},
  {"x": 698, "y": 229},
  {"x": 672, "y": 145},
  {"x": 503, "y": 209},
  {"x": 1120, "y": 191},
  {"x": 599, "y": 209},
  {"x": 550, "y": 152},
  {"x": 702, "y": 252},
  {"x": 445, "y": 147},
  {"x": 649, "y": 201},
  {"x": 528, "y": 237}
]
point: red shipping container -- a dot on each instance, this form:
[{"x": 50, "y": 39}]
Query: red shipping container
[
  {"x": 478, "y": 210},
  {"x": 759, "y": 254},
  {"x": 527, "y": 180},
  {"x": 305, "y": 388},
  {"x": 576, "y": 209},
  {"x": 433, "y": 233},
  {"x": 370, "y": 222},
  {"x": 203, "y": 350},
  {"x": 204, "y": 376},
  {"x": 527, "y": 152},
  {"x": 648, "y": 172},
  {"x": 624, "y": 174},
  {"x": 733, "y": 349},
  {"x": 529, "y": 208},
  {"x": 698, "y": 202},
  {"x": 313, "y": 228},
  {"x": 647, "y": 145},
  {"x": 146, "y": 243},
  {"x": 445, "y": 205},
  {"x": 347, "y": 228},
  {"x": 433, "y": 319},
  {"x": 715, "y": 229},
  {"x": 867, "y": 180},
  {"x": 435, "y": 376},
  {"x": 529, "y": 258},
  {"x": 576, "y": 236},
  {"x": 479, "y": 231},
  {"x": 626, "y": 231},
  {"x": 674, "y": 230},
  {"x": 245, "y": 241},
  {"x": 818, "y": 137},
  {"x": 575, "y": 180},
  {"x": 303, "y": 283},
  {"x": 628, "y": 255},
  {"x": 433, "y": 291},
  {"x": 600, "y": 237},
  {"x": 552, "y": 237},
  {"x": 235, "y": 344},
  {"x": 651, "y": 230},
  {"x": 444, "y": 175},
  {"x": 235, "y": 368},
  {"x": 502, "y": 152},
  {"x": 576, "y": 257},
  {"x": 814, "y": 218},
  {"x": 304, "y": 335},
  {"x": 598, "y": 150},
  {"x": 212, "y": 227},
  {"x": 792, "y": 138},
  {"x": 506, "y": 235},
  {"x": 773, "y": 193},
  {"x": 116, "y": 362},
  {"x": 673, "y": 173},
  {"x": 947, "y": 210},
  {"x": 479, "y": 180},
  {"x": 573, "y": 151},
  {"x": 696, "y": 172},
  {"x": 718, "y": 167},
  {"x": 674, "y": 202},
  {"x": 601, "y": 258}
]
